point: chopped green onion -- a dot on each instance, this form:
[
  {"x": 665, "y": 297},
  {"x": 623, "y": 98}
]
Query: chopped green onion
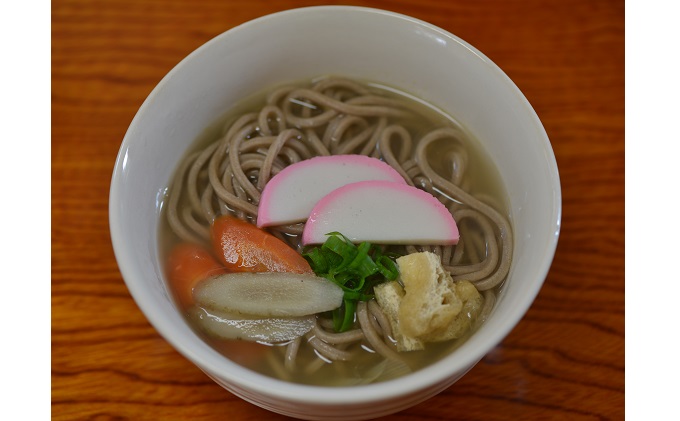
[
  {"x": 343, "y": 317},
  {"x": 356, "y": 269},
  {"x": 318, "y": 260},
  {"x": 388, "y": 268}
]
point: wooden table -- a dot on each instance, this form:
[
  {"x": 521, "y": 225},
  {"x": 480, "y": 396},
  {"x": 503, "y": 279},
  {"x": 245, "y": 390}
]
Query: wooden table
[{"x": 564, "y": 360}]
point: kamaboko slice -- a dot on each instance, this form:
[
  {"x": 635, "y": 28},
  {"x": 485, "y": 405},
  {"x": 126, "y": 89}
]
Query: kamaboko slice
[
  {"x": 292, "y": 193},
  {"x": 381, "y": 212}
]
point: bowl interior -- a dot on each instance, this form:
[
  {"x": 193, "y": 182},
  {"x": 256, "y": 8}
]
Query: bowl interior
[{"x": 361, "y": 43}]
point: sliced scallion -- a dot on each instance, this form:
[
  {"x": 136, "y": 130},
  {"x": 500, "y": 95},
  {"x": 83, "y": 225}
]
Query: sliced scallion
[{"x": 356, "y": 269}]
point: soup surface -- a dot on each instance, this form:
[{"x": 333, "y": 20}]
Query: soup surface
[{"x": 224, "y": 174}]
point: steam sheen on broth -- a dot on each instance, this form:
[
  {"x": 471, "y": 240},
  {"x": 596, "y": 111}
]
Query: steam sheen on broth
[{"x": 332, "y": 116}]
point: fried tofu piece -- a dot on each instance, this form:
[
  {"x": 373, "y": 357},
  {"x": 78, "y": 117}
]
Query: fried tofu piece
[
  {"x": 389, "y": 296},
  {"x": 431, "y": 307},
  {"x": 472, "y": 306}
]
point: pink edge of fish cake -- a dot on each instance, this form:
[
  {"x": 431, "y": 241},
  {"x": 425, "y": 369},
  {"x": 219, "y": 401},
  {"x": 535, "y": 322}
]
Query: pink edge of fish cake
[
  {"x": 264, "y": 218},
  {"x": 329, "y": 202}
]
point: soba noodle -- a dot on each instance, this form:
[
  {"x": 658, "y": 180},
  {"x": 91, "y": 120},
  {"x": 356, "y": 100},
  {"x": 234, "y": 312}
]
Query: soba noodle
[{"x": 339, "y": 116}]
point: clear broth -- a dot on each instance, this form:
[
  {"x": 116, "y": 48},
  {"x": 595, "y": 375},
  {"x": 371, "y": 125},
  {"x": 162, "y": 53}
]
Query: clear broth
[{"x": 370, "y": 367}]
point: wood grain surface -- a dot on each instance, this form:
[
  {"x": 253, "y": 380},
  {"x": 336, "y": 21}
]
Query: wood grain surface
[{"x": 565, "y": 360}]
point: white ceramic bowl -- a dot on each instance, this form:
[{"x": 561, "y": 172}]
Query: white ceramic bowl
[{"x": 357, "y": 42}]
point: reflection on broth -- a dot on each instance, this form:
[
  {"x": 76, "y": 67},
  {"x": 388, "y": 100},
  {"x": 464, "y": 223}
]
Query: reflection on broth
[{"x": 396, "y": 305}]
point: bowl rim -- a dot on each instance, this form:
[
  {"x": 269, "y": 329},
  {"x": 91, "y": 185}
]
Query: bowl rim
[{"x": 213, "y": 363}]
